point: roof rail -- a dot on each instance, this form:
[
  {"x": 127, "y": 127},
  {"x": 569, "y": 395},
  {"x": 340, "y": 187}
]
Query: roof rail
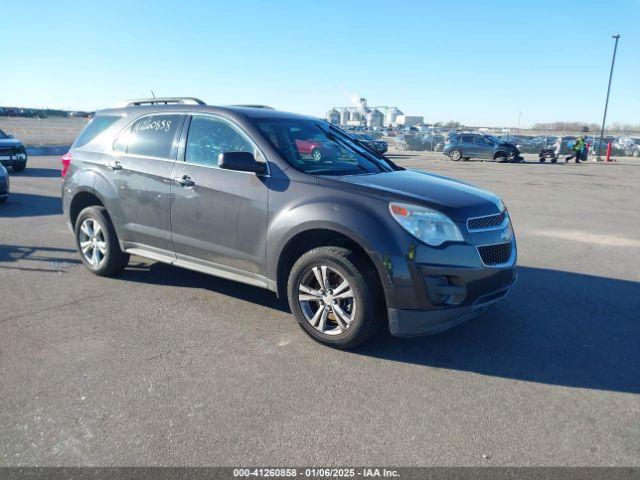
[
  {"x": 162, "y": 101},
  {"x": 255, "y": 106}
]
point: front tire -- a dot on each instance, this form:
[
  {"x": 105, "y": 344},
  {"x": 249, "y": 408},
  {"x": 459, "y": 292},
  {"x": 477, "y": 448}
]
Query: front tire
[
  {"x": 501, "y": 157},
  {"x": 20, "y": 167},
  {"x": 334, "y": 294},
  {"x": 97, "y": 242}
]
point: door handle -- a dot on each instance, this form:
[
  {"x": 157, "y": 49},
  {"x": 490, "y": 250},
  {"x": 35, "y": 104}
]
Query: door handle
[
  {"x": 115, "y": 165},
  {"x": 185, "y": 181}
]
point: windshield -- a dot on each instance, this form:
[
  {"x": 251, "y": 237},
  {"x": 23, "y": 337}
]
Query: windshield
[
  {"x": 318, "y": 148},
  {"x": 362, "y": 136},
  {"x": 3, "y": 135},
  {"x": 492, "y": 138}
]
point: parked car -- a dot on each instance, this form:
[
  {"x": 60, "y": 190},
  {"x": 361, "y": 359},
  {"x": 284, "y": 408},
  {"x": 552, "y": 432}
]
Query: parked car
[
  {"x": 480, "y": 145},
  {"x": 628, "y": 146},
  {"x": 12, "y": 153},
  {"x": 354, "y": 242},
  {"x": 4, "y": 184},
  {"x": 379, "y": 146}
]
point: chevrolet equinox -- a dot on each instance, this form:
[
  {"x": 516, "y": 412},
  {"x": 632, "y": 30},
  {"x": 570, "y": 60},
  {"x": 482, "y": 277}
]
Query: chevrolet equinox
[{"x": 353, "y": 241}]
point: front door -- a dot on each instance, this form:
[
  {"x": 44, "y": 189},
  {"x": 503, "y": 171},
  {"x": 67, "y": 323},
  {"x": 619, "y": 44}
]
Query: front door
[
  {"x": 219, "y": 217},
  {"x": 484, "y": 147},
  {"x": 141, "y": 162}
]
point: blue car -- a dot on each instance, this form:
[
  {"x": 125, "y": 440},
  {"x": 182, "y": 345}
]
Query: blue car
[{"x": 479, "y": 145}]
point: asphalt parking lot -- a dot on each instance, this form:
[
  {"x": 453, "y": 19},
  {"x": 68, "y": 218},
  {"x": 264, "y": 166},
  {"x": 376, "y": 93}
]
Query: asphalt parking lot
[{"x": 163, "y": 366}]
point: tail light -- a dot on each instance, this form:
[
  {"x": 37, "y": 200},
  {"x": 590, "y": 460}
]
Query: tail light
[{"x": 66, "y": 161}]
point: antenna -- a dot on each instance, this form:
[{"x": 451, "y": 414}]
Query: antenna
[{"x": 153, "y": 94}]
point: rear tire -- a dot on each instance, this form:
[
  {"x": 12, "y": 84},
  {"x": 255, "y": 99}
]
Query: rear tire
[
  {"x": 455, "y": 154},
  {"x": 354, "y": 315},
  {"x": 97, "y": 242}
]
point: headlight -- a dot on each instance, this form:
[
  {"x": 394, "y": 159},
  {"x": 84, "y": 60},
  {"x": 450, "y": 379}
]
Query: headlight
[{"x": 429, "y": 226}]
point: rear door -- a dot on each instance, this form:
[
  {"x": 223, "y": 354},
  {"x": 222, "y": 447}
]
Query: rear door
[
  {"x": 469, "y": 147},
  {"x": 142, "y": 160},
  {"x": 219, "y": 217}
]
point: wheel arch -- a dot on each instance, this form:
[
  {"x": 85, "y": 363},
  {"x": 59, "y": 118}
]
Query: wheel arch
[
  {"x": 314, "y": 236},
  {"x": 82, "y": 199}
]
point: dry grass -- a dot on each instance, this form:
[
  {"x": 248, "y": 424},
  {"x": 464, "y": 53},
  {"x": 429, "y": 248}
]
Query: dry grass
[{"x": 47, "y": 131}]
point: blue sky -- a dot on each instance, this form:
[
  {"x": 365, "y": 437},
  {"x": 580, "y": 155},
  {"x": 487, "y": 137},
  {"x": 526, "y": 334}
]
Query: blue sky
[{"x": 481, "y": 63}]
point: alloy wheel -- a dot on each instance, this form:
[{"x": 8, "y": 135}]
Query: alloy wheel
[
  {"x": 327, "y": 300},
  {"x": 92, "y": 242}
]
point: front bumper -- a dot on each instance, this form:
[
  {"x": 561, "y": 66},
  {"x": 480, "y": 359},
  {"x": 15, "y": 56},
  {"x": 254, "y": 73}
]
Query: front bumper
[
  {"x": 408, "y": 323},
  {"x": 431, "y": 289},
  {"x": 13, "y": 160}
]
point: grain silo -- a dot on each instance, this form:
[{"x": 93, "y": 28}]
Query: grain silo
[
  {"x": 375, "y": 119},
  {"x": 345, "y": 116},
  {"x": 391, "y": 115},
  {"x": 333, "y": 116}
]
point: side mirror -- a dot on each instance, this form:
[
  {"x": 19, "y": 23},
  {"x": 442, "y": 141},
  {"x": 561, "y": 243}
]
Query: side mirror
[{"x": 240, "y": 161}]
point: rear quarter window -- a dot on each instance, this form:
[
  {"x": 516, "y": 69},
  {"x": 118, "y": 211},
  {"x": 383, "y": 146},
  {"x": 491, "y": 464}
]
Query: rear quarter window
[{"x": 94, "y": 128}]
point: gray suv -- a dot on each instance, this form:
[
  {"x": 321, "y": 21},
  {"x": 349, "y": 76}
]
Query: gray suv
[
  {"x": 479, "y": 145},
  {"x": 353, "y": 241}
]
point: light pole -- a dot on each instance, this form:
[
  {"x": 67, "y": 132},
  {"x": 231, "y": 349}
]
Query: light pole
[{"x": 606, "y": 103}]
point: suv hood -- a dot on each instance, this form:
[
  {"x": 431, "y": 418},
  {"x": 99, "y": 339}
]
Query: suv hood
[
  {"x": 458, "y": 200},
  {"x": 9, "y": 142}
]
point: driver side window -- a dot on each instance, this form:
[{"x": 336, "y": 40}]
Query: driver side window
[{"x": 209, "y": 137}]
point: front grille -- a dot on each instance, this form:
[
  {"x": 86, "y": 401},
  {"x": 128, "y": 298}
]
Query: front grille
[
  {"x": 7, "y": 151},
  {"x": 486, "y": 222},
  {"x": 495, "y": 254}
]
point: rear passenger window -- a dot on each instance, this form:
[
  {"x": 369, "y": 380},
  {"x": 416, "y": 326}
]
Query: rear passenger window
[
  {"x": 94, "y": 128},
  {"x": 467, "y": 138},
  {"x": 209, "y": 137},
  {"x": 151, "y": 136}
]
